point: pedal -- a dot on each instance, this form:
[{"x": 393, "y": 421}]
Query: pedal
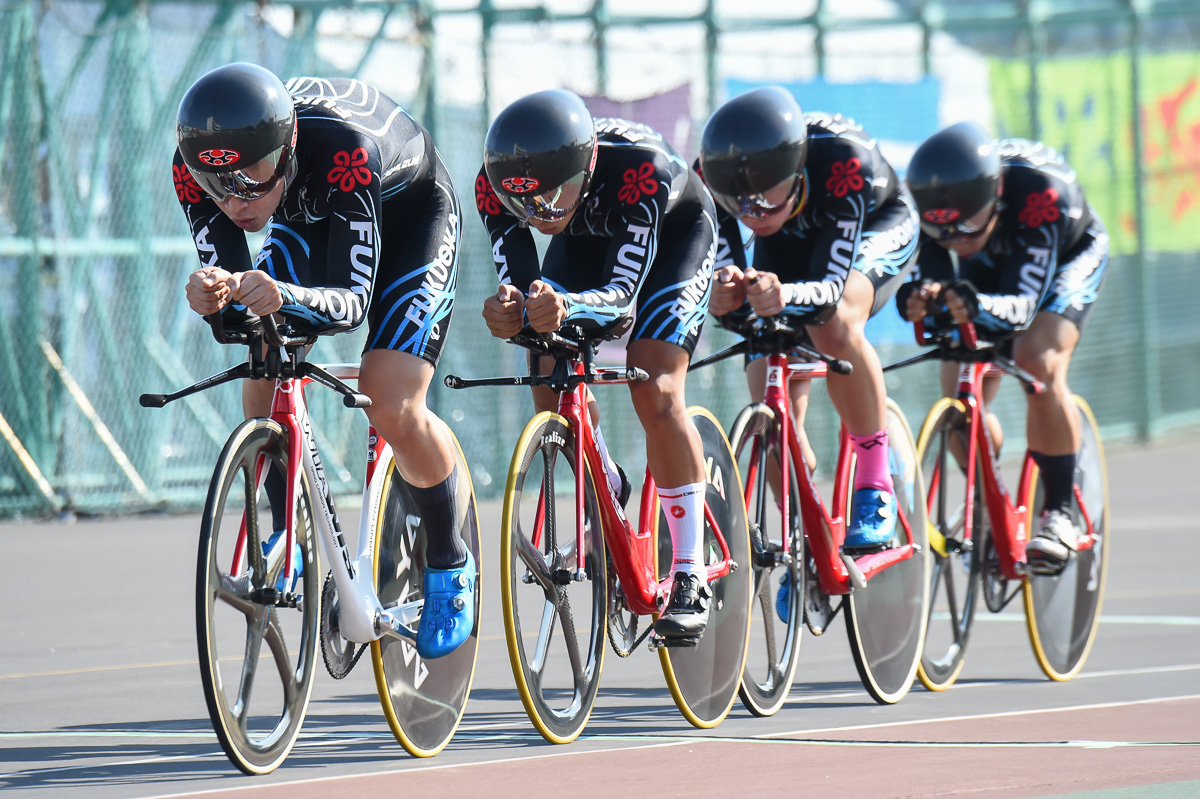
[
  {"x": 1045, "y": 568},
  {"x": 656, "y": 641},
  {"x": 279, "y": 599},
  {"x": 871, "y": 549}
]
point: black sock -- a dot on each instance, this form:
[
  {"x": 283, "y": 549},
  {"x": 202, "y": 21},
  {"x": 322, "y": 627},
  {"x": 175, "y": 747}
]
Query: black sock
[
  {"x": 275, "y": 487},
  {"x": 438, "y": 507},
  {"x": 1058, "y": 480}
]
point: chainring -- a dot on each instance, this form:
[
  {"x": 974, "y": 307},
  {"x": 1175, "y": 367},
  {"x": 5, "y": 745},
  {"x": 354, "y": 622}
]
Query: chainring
[{"x": 338, "y": 653}]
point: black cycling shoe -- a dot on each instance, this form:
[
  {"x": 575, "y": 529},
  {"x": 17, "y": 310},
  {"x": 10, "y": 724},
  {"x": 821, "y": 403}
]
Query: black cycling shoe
[
  {"x": 626, "y": 488},
  {"x": 686, "y": 615}
]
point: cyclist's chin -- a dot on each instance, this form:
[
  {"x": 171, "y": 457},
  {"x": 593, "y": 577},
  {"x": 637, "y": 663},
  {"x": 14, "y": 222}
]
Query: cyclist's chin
[
  {"x": 251, "y": 224},
  {"x": 765, "y": 227}
]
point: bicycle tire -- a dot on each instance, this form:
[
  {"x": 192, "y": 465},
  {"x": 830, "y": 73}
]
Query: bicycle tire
[
  {"x": 704, "y": 679},
  {"x": 256, "y": 728},
  {"x": 957, "y": 567},
  {"x": 1062, "y": 612},
  {"x": 774, "y": 642},
  {"x": 423, "y": 700},
  {"x": 557, "y": 670},
  {"x": 886, "y": 622}
]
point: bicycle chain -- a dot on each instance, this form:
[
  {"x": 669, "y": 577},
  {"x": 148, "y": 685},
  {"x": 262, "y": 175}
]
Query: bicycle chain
[{"x": 328, "y": 604}]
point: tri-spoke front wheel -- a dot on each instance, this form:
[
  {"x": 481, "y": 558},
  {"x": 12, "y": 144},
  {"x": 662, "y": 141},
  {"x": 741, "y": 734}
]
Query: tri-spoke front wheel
[
  {"x": 958, "y": 558},
  {"x": 256, "y": 628},
  {"x": 554, "y": 613},
  {"x": 777, "y": 613}
]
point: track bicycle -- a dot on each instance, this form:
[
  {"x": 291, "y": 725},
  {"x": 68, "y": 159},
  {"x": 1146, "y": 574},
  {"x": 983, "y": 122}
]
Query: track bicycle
[
  {"x": 800, "y": 570},
  {"x": 574, "y": 571},
  {"x": 248, "y": 593},
  {"x": 979, "y": 530}
]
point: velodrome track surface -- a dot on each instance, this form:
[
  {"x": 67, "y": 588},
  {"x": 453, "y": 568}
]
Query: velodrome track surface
[{"x": 100, "y": 694}]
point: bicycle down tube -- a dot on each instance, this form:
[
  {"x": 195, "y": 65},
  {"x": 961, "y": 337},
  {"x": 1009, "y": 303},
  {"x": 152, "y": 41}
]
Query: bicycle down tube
[
  {"x": 1006, "y": 515},
  {"x": 632, "y": 548},
  {"x": 846, "y": 572}
]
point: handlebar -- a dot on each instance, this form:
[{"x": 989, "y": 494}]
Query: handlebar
[
  {"x": 268, "y": 342},
  {"x": 568, "y": 345},
  {"x": 771, "y": 335},
  {"x": 962, "y": 344}
]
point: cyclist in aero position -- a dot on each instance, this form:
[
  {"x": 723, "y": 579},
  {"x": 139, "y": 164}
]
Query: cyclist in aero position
[
  {"x": 633, "y": 237},
  {"x": 834, "y": 233},
  {"x": 1022, "y": 255},
  {"x": 363, "y": 224}
]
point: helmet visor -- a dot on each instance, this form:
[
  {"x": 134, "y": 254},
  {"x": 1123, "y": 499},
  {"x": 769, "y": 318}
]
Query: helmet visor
[
  {"x": 946, "y": 224},
  {"x": 766, "y": 203},
  {"x": 238, "y": 183},
  {"x": 549, "y": 206}
]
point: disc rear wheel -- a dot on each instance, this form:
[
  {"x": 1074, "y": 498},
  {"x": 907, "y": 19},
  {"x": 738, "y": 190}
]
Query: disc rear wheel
[
  {"x": 423, "y": 700},
  {"x": 704, "y": 679},
  {"x": 886, "y": 621},
  {"x": 1062, "y": 612}
]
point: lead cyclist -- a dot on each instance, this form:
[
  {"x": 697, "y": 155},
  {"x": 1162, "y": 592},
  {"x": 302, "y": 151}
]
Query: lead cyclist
[{"x": 362, "y": 224}]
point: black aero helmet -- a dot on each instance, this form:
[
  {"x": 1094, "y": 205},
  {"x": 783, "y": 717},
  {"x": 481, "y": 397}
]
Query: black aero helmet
[
  {"x": 954, "y": 177},
  {"x": 755, "y": 142},
  {"x": 230, "y": 119},
  {"x": 540, "y": 153}
]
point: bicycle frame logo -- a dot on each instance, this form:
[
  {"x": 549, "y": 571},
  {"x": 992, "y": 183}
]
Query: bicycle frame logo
[
  {"x": 318, "y": 472},
  {"x": 714, "y": 476},
  {"x": 404, "y": 566}
]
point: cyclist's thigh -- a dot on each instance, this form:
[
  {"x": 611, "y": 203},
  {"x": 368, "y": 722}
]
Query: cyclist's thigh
[
  {"x": 1045, "y": 348},
  {"x": 673, "y": 302},
  {"x": 888, "y": 249},
  {"x": 413, "y": 295}
]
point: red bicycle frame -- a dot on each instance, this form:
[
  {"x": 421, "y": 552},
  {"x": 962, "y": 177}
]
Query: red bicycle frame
[
  {"x": 1010, "y": 531},
  {"x": 825, "y": 533},
  {"x": 633, "y": 551}
]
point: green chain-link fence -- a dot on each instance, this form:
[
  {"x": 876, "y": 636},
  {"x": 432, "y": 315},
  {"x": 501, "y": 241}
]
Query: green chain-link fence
[{"x": 94, "y": 250}]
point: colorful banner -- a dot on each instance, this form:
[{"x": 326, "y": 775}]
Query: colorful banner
[{"x": 1085, "y": 107}]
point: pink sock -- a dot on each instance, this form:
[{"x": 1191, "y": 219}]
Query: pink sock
[{"x": 871, "y": 468}]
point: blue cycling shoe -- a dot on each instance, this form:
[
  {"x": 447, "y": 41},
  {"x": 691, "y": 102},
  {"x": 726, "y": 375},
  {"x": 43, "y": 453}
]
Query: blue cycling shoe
[
  {"x": 283, "y": 585},
  {"x": 872, "y": 521},
  {"x": 783, "y": 599},
  {"x": 448, "y": 615}
]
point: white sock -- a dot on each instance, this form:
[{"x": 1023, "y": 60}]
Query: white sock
[
  {"x": 684, "y": 509},
  {"x": 610, "y": 466}
]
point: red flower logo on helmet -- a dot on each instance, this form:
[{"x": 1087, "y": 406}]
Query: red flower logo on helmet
[
  {"x": 845, "y": 178},
  {"x": 941, "y": 216},
  {"x": 1040, "y": 208},
  {"x": 351, "y": 169},
  {"x": 520, "y": 185},
  {"x": 186, "y": 188},
  {"x": 638, "y": 182},
  {"x": 485, "y": 197},
  {"x": 219, "y": 157}
]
